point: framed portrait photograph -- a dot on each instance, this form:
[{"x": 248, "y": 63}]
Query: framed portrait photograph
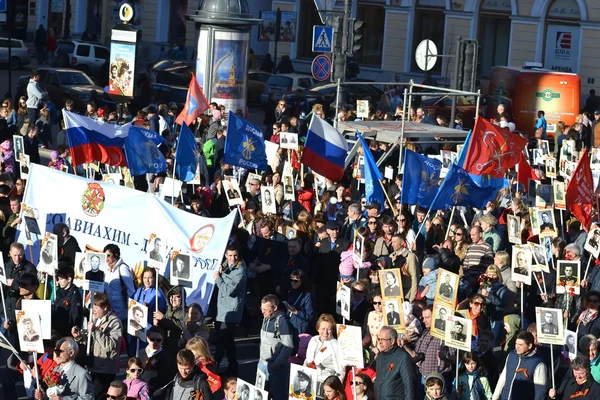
[
  {"x": 514, "y": 229},
  {"x": 544, "y": 147},
  {"x": 233, "y": 193},
  {"x": 24, "y": 165},
  {"x": 261, "y": 379},
  {"x": 245, "y": 390},
  {"x": 570, "y": 346},
  {"x": 157, "y": 250},
  {"x": 2, "y": 271},
  {"x": 303, "y": 383},
  {"x": 440, "y": 314},
  {"x": 568, "y": 273},
  {"x": 539, "y": 258},
  {"x": 95, "y": 266},
  {"x": 267, "y": 194},
  {"x": 29, "y": 330},
  {"x": 358, "y": 249},
  {"x": 137, "y": 319},
  {"x": 447, "y": 286},
  {"x": 343, "y": 298},
  {"x": 559, "y": 195},
  {"x": 350, "y": 341},
  {"x": 544, "y": 196},
  {"x": 458, "y": 333},
  {"x": 547, "y": 223},
  {"x": 537, "y": 158},
  {"x": 18, "y": 147},
  {"x": 550, "y": 167},
  {"x": 43, "y": 308},
  {"x": 288, "y": 188},
  {"x": 390, "y": 282},
  {"x": 48, "y": 254},
  {"x": 592, "y": 244},
  {"x": 533, "y": 216},
  {"x": 393, "y": 314},
  {"x": 594, "y": 158},
  {"x": 521, "y": 264},
  {"x": 181, "y": 269},
  {"x": 549, "y": 325}
]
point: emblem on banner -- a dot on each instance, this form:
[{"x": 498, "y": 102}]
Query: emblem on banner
[
  {"x": 201, "y": 238},
  {"x": 92, "y": 201}
]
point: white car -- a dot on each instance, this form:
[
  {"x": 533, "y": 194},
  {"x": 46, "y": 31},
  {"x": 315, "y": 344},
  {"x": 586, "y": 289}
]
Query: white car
[
  {"x": 85, "y": 56},
  {"x": 20, "y": 54},
  {"x": 282, "y": 84}
]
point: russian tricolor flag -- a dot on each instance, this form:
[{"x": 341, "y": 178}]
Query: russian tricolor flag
[{"x": 325, "y": 150}]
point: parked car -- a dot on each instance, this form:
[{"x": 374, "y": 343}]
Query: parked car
[
  {"x": 91, "y": 58},
  {"x": 21, "y": 88},
  {"x": 257, "y": 82},
  {"x": 285, "y": 84},
  {"x": 64, "y": 84},
  {"x": 443, "y": 106},
  {"x": 173, "y": 72},
  {"x": 20, "y": 54}
]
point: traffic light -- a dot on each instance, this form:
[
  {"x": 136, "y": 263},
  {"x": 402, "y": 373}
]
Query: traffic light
[
  {"x": 467, "y": 69},
  {"x": 356, "y": 35}
]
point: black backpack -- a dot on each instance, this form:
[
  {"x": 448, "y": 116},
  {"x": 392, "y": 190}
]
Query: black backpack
[{"x": 294, "y": 332}]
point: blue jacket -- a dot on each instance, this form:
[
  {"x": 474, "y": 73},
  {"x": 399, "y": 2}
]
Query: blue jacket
[
  {"x": 232, "y": 292},
  {"x": 495, "y": 301},
  {"x": 148, "y": 298},
  {"x": 525, "y": 376},
  {"x": 303, "y": 302}
]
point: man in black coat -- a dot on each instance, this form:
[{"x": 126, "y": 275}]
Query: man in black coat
[
  {"x": 334, "y": 243},
  {"x": 396, "y": 374},
  {"x": 15, "y": 267},
  {"x": 325, "y": 269},
  {"x": 157, "y": 368},
  {"x": 67, "y": 310},
  {"x": 67, "y": 244}
]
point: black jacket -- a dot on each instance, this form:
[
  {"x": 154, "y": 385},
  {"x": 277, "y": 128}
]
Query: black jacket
[
  {"x": 157, "y": 369},
  {"x": 67, "y": 310},
  {"x": 15, "y": 272},
  {"x": 195, "y": 382},
  {"x": 396, "y": 375},
  {"x": 570, "y": 389},
  {"x": 67, "y": 251},
  {"x": 339, "y": 246}
]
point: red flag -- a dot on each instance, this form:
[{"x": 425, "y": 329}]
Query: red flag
[
  {"x": 195, "y": 104},
  {"x": 525, "y": 172},
  {"x": 580, "y": 193},
  {"x": 493, "y": 150}
]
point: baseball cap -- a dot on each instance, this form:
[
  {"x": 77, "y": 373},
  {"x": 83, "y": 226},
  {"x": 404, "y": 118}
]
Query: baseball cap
[{"x": 332, "y": 225}]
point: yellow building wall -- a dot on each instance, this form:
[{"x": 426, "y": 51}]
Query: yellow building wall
[
  {"x": 588, "y": 64},
  {"x": 524, "y": 43},
  {"x": 593, "y": 8},
  {"x": 524, "y": 7},
  {"x": 395, "y": 41}
]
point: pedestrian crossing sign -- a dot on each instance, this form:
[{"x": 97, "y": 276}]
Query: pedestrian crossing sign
[{"x": 322, "y": 39}]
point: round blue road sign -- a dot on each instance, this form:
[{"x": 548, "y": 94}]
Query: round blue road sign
[{"x": 321, "y": 68}]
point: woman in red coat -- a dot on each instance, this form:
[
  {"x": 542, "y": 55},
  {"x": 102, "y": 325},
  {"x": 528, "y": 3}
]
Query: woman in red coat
[
  {"x": 51, "y": 44},
  {"x": 306, "y": 195}
]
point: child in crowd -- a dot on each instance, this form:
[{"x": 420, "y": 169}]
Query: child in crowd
[
  {"x": 427, "y": 284},
  {"x": 472, "y": 382},
  {"x": 190, "y": 381},
  {"x": 434, "y": 387},
  {"x": 230, "y": 388},
  {"x": 137, "y": 388}
]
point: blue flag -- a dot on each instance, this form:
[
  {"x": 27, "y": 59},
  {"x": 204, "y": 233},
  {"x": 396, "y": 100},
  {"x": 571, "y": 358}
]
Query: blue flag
[
  {"x": 141, "y": 151},
  {"x": 186, "y": 155},
  {"x": 458, "y": 189},
  {"x": 420, "y": 179},
  {"x": 244, "y": 144},
  {"x": 373, "y": 188}
]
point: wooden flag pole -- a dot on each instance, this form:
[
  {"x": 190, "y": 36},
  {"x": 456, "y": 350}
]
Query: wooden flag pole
[
  {"x": 388, "y": 200},
  {"x": 450, "y": 223},
  {"x": 89, "y": 338},
  {"x": 587, "y": 268}
]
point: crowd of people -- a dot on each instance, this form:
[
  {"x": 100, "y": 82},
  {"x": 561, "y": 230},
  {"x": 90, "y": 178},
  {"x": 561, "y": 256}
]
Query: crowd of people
[{"x": 283, "y": 271}]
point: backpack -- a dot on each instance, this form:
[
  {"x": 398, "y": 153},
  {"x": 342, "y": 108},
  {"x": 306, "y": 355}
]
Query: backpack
[{"x": 293, "y": 331}]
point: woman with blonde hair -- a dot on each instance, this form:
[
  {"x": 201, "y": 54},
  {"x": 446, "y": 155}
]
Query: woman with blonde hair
[
  {"x": 490, "y": 235},
  {"x": 323, "y": 351},
  {"x": 497, "y": 296},
  {"x": 199, "y": 347}
]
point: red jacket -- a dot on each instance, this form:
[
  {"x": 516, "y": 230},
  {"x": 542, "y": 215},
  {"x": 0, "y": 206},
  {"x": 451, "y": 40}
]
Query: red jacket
[
  {"x": 45, "y": 365},
  {"x": 370, "y": 372},
  {"x": 305, "y": 197}
]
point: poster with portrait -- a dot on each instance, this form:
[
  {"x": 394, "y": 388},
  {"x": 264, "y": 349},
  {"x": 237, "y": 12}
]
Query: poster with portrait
[
  {"x": 137, "y": 319},
  {"x": 566, "y": 153},
  {"x": 362, "y": 108},
  {"x": 550, "y": 167},
  {"x": 110, "y": 169},
  {"x": 358, "y": 249},
  {"x": 536, "y": 158},
  {"x": 29, "y": 330},
  {"x": 544, "y": 196},
  {"x": 514, "y": 229},
  {"x": 268, "y": 26},
  {"x": 547, "y": 223},
  {"x": 181, "y": 269},
  {"x": 521, "y": 264},
  {"x": 594, "y": 159},
  {"x": 261, "y": 379},
  {"x": 233, "y": 193},
  {"x": 447, "y": 287},
  {"x": 288, "y": 188},
  {"x": 559, "y": 195},
  {"x": 592, "y": 244},
  {"x": 48, "y": 254},
  {"x": 267, "y": 194},
  {"x": 290, "y": 233},
  {"x": 24, "y": 165},
  {"x": 79, "y": 269},
  {"x": 44, "y": 309},
  {"x": 393, "y": 314},
  {"x": 171, "y": 188},
  {"x": 121, "y": 69},
  {"x": 549, "y": 324},
  {"x": 158, "y": 251},
  {"x": 539, "y": 259},
  {"x": 33, "y": 223},
  {"x": 350, "y": 342},
  {"x": 247, "y": 391},
  {"x": 18, "y": 147},
  {"x": 343, "y": 297},
  {"x": 288, "y": 140},
  {"x": 458, "y": 333},
  {"x": 390, "y": 282},
  {"x": 439, "y": 316},
  {"x": 303, "y": 383},
  {"x": 95, "y": 266},
  {"x": 544, "y": 147},
  {"x": 535, "y": 225},
  {"x": 570, "y": 346},
  {"x": 569, "y": 273}
]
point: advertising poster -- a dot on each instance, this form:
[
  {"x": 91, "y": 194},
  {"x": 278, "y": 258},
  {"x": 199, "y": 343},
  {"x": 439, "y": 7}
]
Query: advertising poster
[
  {"x": 562, "y": 48},
  {"x": 228, "y": 86},
  {"x": 268, "y": 26},
  {"x": 121, "y": 69}
]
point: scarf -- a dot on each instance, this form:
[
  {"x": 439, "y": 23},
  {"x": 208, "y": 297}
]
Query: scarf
[
  {"x": 474, "y": 324},
  {"x": 588, "y": 316}
]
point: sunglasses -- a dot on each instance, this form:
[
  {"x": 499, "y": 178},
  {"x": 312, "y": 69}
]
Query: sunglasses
[
  {"x": 402, "y": 219},
  {"x": 111, "y": 397},
  {"x": 138, "y": 370},
  {"x": 295, "y": 280},
  {"x": 156, "y": 340},
  {"x": 458, "y": 234},
  {"x": 372, "y": 222},
  {"x": 478, "y": 304},
  {"x": 356, "y": 291},
  {"x": 58, "y": 352},
  {"x": 358, "y": 383},
  {"x": 376, "y": 303}
]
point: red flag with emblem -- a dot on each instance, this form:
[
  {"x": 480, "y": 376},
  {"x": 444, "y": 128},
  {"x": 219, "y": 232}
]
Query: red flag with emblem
[
  {"x": 195, "y": 104},
  {"x": 580, "y": 193},
  {"x": 525, "y": 172},
  {"x": 493, "y": 150}
]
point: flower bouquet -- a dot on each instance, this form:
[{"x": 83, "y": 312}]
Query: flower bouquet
[{"x": 52, "y": 380}]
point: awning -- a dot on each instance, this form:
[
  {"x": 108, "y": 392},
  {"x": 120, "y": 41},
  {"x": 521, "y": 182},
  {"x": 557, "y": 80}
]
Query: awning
[{"x": 390, "y": 131}]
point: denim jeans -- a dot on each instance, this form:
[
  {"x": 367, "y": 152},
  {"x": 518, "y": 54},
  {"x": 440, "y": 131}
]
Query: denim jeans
[{"x": 277, "y": 380}]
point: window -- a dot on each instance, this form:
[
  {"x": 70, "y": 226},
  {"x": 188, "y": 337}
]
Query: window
[
  {"x": 372, "y": 31},
  {"x": 83, "y": 50},
  {"x": 53, "y": 79},
  {"x": 429, "y": 24},
  {"x": 305, "y": 83},
  {"x": 101, "y": 52},
  {"x": 308, "y": 17},
  {"x": 494, "y": 39}
]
